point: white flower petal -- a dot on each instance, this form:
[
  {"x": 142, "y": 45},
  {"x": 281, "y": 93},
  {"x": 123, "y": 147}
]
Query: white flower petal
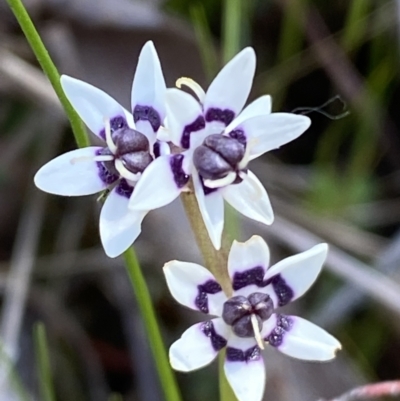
[
  {"x": 305, "y": 340},
  {"x": 231, "y": 87},
  {"x": 93, "y": 105},
  {"x": 72, "y": 174},
  {"x": 194, "y": 286},
  {"x": 199, "y": 345},
  {"x": 119, "y": 226},
  {"x": 259, "y": 107},
  {"x": 245, "y": 371},
  {"x": 298, "y": 272},
  {"x": 247, "y": 263},
  {"x": 212, "y": 210},
  {"x": 148, "y": 92},
  {"x": 161, "y": 182},
  {"x": 250, "y": 198},
  {"x": 185, "y": 119},
  {"x": 270, "y": 132}
]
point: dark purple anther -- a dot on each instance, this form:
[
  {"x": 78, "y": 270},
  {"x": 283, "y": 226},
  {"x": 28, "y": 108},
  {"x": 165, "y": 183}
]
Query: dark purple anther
[
  {"x": 180, "y": 177},
  {"x": 210, "y": 287},
  {"x": 218, "y": 342},
  {"x": 238, "y": 311},
  {"x": 129, "y": 140},
  {"x": 195, "y": 126},
  {"x": 237, "y": 355},
  {"x": 224, "y": 116},
  {"x": 147, "y": 113}
]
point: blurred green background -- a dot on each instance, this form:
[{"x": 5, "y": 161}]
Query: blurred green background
[{"x": 340, "y": 183}]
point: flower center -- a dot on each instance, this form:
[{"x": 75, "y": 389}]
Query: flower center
[
  {"x": 130, "y": 152},
  {"x": 247, "y": 314},
  {"x": 219, "y": 160}
]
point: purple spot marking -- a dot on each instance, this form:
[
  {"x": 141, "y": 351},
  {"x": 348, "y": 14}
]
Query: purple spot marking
[
  {"x": 218, "y": 342},
  {"x": 237, "y": 355},
  {"x": 209, "y": 287},
  {"x": 207, "y": 190},
  {"x": 196, "y": 125},
  {"x": 180, "y": 177},
  {"x": 147, "y": 113},
  {"x": 116, "y": 123},
  {"x": 239, "y": 135},
  {"x": 282, "y": 290},
  {"x": 283, "y": 325},
  {"x": 105, "y": 175},
  {"x": 124, "y": 189},
  {"x": 224, "y": 116},
  {"x": 248, "y": 277}
]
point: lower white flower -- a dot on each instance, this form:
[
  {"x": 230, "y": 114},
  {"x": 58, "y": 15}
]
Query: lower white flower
[{"x": 248, "y": 319}]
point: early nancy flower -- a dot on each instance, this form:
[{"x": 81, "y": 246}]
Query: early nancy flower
[
  {"x": 130, "y": 146},
  {"x": 218, "y": 140},
  {"x": 248, "y": 319}
]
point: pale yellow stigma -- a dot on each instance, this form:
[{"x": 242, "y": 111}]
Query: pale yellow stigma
[
  {"x": 257, "y": 334},
  {"x": 193, "y": 85}
]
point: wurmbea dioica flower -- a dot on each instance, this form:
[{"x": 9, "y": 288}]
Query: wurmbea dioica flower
[
  {"x": 218, "y": 140},
  {"x": 130, "y": 146},
  {"x": 248, "y": 318}
]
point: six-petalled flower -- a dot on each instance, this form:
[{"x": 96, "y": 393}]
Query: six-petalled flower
[
  {"x": 248, "y": 318},
  {"x": 131, "y": 146},
  {"x": 218, "y": 139}
]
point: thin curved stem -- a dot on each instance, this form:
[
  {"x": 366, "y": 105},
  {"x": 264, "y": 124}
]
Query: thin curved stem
[
  {"x": 143, "y": 297},
  {"x": 49, "y": 69}
]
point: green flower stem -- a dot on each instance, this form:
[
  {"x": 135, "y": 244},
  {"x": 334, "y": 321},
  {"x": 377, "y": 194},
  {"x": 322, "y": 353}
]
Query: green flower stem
[
  {"x": 49, "y": 69},
  {"x": 43, "y": 361},
  {"x": 232, "y": 24},
  {"x": 215, "y": 261},
  {"x": 143, "y": 297}
]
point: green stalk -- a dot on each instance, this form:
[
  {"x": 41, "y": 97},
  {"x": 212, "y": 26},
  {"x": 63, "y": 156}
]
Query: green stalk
[
  {"x": 43, "y": 361},
  {"x": 167, "y": 378},
  {"x": 232, "y": 32},
  {"x": 49, "y": 69}
]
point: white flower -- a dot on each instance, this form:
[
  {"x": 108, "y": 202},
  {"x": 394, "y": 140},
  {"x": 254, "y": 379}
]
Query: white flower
[
  {"x": 248, "y": 319},
  {"x": 219, "y": 140},
  {"x": 130, "y": 146}
]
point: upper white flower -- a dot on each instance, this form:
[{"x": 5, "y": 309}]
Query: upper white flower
[
  {"x": 219, "y": 139},
  {"x": 248, "y": 319},
  {"x": 130, "y": 146}
]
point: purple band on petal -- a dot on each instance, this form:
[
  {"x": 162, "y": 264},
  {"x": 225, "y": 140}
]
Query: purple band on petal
[
  {"x": 239, "y": 135},
  {"x": 209, "y": 287},
  {"x": 147, "y": 113},
  {"x": 218, "y": 342},
  {"x": 283, "y": 325},
  {"x": 282, "y": 290},
  {"x": 237, "y": 355},
  {"x": 116, "y": 123},
  {"x": 196, "y": 125},
  {"x": 224, "y": 116},
  {"x": 180, "y": 177},
  {"x": 248, "y": 277},
  {"x": 124, "y": 189},
  {"x": 105, "y": 174}
]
